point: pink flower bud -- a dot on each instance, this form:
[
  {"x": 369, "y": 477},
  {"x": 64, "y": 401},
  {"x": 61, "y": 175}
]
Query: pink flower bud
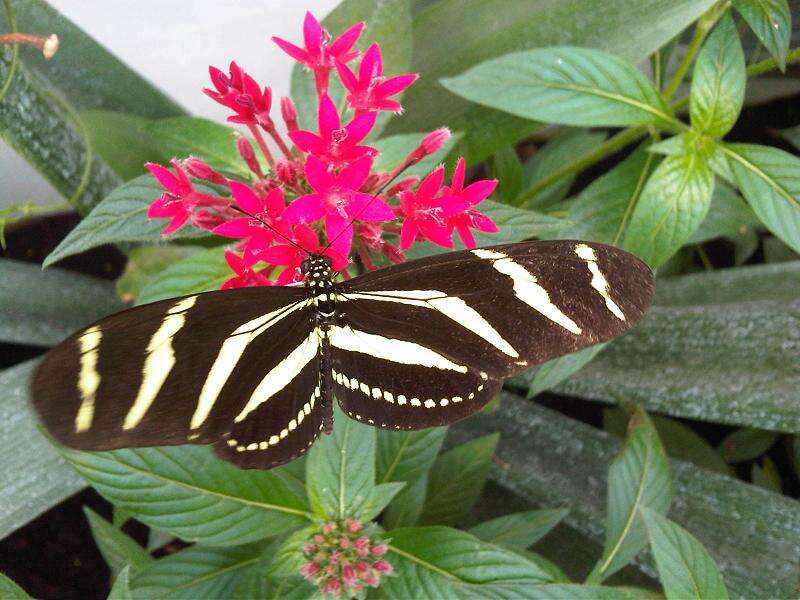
[
  {"x": 309, "y": 569},
  {"x": 362, "y": 567},
  {"x": 328, "y": 528},
  {"x": 247, "y": 153},
  {"x": 336, "y": 557},
  {"x": 289, "y": 113},
  {"x": 349, "y": 575},
  {"x": 344, "y": 543},
  {"x": 318, "y": 539},
  {"x": 431, "y": 143},
  {"x": 353, "y": 525},
  {"x": 371, "y": 579},
  {"x": 286, "y": 172},
  {"x": 333, "y": 587},
  {"x": 383, "y": 567},
  {"x": 361, "y": 543},
  {"x": 309, "y": 548},
  {"x": 379, "y": 549}
]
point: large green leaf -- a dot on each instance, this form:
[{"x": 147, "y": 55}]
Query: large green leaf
[
  {"x": 714, "y": 348},
  {"x": 197, "y": 572},
  {"x": 121, "y": 140},
  {"x": 746, "y": 444},
  {"x": 440, "y": 562},
  {"x": 117, "y": 548},
  {"x": 406, "y": 508},
  {"x": 720, "y": 511},
  {"x": 446, "y": 44},
  {"x": 674, "y": 202},
  {"x": 33, "y": 477},
  {"x": 340, "y": 469},
  {"x": 456, "y": 479},
  {"x": 554, "y": 371},
  {"x": 768, "y": 180},
  {"x": 568, "y": 85},
  {"x": 121, "y": 590},
  {"x": 507, "y": 169},
  {"x": 728, "y": 216},
  {"x": 685, "y": 568},
  {"x": 190, "y": 493},
  {"x": 10, "y": 590},
  {"x": 638, "y": 478},
  {"x": 521, "y": 529},
  {"x": 121, "y": 217},
  {"x": 771, "y": 21},
  {"x": 181, "y": 137},
  {"x": 147, "y": 262},
  {"x": 41, "y": 308},
  {"x": 719, "y": 80},
  {"x": 406, "y": 455},
  {"x": 203, "y": 271}
]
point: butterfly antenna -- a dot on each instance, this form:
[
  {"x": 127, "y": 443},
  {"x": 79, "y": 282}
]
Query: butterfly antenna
[{"x": 270, "y": 227}]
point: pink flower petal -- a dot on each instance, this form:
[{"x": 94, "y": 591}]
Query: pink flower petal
[
  {"x": 328, "y": 117},
  {"x": 237, "y": 228},
  {"x": 438, "y": 234},
  {"x": 389, "y": 105},
  {"x": 176, "y": 223},
  {"x": 466, "y": 236},
  {"x": 371, "y": 64},
  {"x": 355, "y": 174},
  {"x": 458, "y": 175},
  {"x": 349, "y": 80},
  {"x": 338, "y": 261},
  {"x": 280, "y": 255},
  {"x": 275, "y": 202},
  {"x": 479, "y": 191},
  {"x": 483, "y": 223},
  {"x": 312, "y": 34},
  {"x": 163, "y": 175},
  {"x": 346, "y": 41},
  {"x": 307, "y": 141},
  {"x": 295, "y": 52},
  {"x": 408, "y": 234},
  {"x": 339, "y": 233},
  {"x": 246, "y": 198},
  {"x": 306, "y": 238},
  {"x": 318, "y": 174},
  {"x": 365, "y": 207},
  {"x": 395, "y": 85},
  {"x": 305, "y": 209},
  {"x": 431, "y": 184},
  {"x": 234, "y": 262},
  {"x": 360, "y": 127}
]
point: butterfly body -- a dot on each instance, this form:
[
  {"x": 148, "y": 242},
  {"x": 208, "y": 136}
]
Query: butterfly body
[{"x": 255, "y": 371}]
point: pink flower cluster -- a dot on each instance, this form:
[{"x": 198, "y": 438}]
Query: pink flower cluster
[
  {"x": 343, "y": 561},
  {"x": 323, "y": 181}
]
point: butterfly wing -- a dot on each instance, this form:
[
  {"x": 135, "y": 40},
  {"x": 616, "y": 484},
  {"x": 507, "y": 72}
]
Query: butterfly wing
[
  {"x": 443, "y": 332},
  {"x": 187, "y": 370}
]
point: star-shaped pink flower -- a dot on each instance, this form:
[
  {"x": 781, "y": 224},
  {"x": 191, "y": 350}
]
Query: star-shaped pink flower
[
  {"x": 291, "y": 256},
  {"x": 245, "y": 276},
  {"x": 337, "y": 199},
  {"x": 371, "y": 91},
  {"x": 460, "y": 214},
  {"x": 240, "y": 92},
  {"x": 335, "y": 144},
  {"x": 320, "y": 54},
  {"x": 255, "y": 231},
  {"x": 423, "y": 212}
]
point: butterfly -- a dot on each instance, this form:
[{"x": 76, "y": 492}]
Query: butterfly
[{"x": 255, "y": 371}]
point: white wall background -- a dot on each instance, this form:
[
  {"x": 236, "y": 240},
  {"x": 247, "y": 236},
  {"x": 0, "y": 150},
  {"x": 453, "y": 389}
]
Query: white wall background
[{"x": 172, "y": 43}]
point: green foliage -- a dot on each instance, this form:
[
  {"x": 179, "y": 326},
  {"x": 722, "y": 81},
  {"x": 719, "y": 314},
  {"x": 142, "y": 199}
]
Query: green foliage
[
  {"x": 519, "y": 529},
  {"x": 746, "y": 444},
  {"x": 771, "y": 21},
  {"x": 119, "y": 551},
  {"x": 10, "y": 590}
]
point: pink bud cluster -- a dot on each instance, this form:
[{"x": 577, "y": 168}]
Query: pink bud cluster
[
  {"x": 343, "y": 560},
  {"x": 320, "y": 182}
]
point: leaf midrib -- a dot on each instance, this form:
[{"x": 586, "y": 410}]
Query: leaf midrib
[{"x": 769, "y": 180}]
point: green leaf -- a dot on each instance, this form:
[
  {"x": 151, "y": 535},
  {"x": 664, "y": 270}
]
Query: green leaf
[
  {"x": 629, "y": 29},
  {"x": 685, "y": 568},
  {"x": 146, "y": 262},
  {"x": 340, "y": 470},
  {"x": 729, "y": 216},
  {"x": 548, "y": 566},
  {"x": 440, "y": 562},
  {"x": 196, "y": 572},
  {"x": 121, "y": 590},
  {"x": 382, "y": 495},
  {"x": 521, "y": 529},
  {"x": 456, "y": 479},
  {"x": 554, "y": 371},
  {"x": 203, "y": 271},
  {"x": 718, "y": 81},
  {"x": 406, "y": 455},
  {"x": 10, "y": 590},
  {"x": 601, "y": 211},
  {"x": 746, "y": 444},
  {"x": 191, "y": 494},
  {"x": 674, "y": 202},
  {"x": 722, "y": 512},
  {"x": 288, "y": 555},
  {"x": 792, "y": 135},
  {"x": 121, "y": 140},
  {"x": 639, "y": 477},
  {"x": 678, "y": 439},
  {"x": 768, "y": 180},
  {"x": 395, "y": 148},
  {"x": 507, "y": 169},
  {"x": 41, "y": 308},
  {"x": 121, "y": 217},
  {"x": 771, "y": 21},
  {"x": 388, "y": 23},
  {"x": 574, "y": 591},
  {"x": 33, "y": 477},
  {"x": 118, "y": 550},
  {"x": 555, "y": 153},
  {"x": 406, "y": 508},
  {"x": 766, "y": 476},
  {"x": 566, "y": 85},
  {"x": 181, "y": 137}
]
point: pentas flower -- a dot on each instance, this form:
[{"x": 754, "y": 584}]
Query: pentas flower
[
  {"x": 240, "y": 92},
  {"x": 337, "y": 200},
  {"x": 322, "y": 185},
  {"x": 370, "y": 90},
  {"x": 343, "y": 559},
  {"x": 335, "y": 144},
  {"x": 320, "y": 55}
]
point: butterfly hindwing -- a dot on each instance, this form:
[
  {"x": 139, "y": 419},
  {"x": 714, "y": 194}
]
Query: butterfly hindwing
[{"x": 172, "y": 372}]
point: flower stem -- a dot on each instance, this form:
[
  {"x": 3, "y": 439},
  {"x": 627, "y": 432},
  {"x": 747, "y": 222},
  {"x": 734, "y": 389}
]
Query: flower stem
[
  {"x": 612, "y": 145},
  {"x": 48, "y": 45},
  {"x": 704, "y": 24},
  {"x": 770, "y": 64},
  {"x": 281, "y": 144},
  {"x": 262, "y": 144}
]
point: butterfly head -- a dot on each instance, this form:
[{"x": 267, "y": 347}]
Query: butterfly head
[{"x": 317, "y": 268}]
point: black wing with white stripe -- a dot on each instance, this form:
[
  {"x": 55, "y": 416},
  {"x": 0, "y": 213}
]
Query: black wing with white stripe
[
  {"x": 237, "y": 368},
  {"x": 430, "y": 341}
]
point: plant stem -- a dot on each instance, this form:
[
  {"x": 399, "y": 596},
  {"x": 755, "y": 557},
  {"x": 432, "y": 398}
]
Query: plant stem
[
  {"x": 770, "y": 64},
  {"x": 612, "y": 145},
  {"x": 262, "y": 144},
  {"x": 704, "y": 24}
]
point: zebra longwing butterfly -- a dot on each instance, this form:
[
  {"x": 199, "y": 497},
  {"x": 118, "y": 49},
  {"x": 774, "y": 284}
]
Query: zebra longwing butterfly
[{"x": 254, "y": 371}]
